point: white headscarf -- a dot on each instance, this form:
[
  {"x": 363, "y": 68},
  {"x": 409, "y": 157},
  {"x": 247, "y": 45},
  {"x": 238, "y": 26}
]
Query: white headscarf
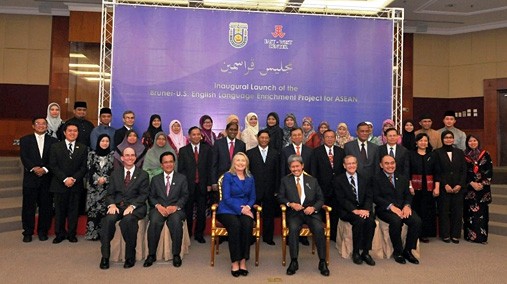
[
  {"x": 248, "y": 127},
  {"x": 179, "y": 139},
  {"x": 53, "y": 122}
]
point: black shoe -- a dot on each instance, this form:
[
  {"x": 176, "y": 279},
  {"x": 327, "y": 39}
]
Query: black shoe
[
  {"x": 424, "y": 240},
  {"x": 129, "y": 262},
  {"x": 271, "y": 243},
  {"x": 58, "y": 240},
  {"x": 176, "y": 261},
  {"x": 399, "y": 258},
  {"x": 304, "y": 241},
  {"x": 323, "y": 268},
  {"x": 410, "y": 257},
  {"x": 356, "y": 258},
  {"x": 367, "y": 258},
  {"x": 200, "y": 240},
  {"x": 293, "y": 267},
  {"x": 104, "y": 263},
  {"x": 235, "y": 273},
  {"x": 149, "y": 260},
  {"x": 72, "y": 239},
  {"x": 43, "y": 238},
  {"x": 27, "y": 238},
  {"x": 455, "y": 241},
  {"x": 446, "y": 240},
  {"x": 243, "y": 272}
]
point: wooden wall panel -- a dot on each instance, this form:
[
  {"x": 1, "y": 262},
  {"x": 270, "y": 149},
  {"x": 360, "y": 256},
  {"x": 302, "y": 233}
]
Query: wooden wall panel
[
  {"x": 23, "y": 101},
  {"x": 85, "y": 26},
  {"x": 491, "y": 142},
  {"x": 408, "y": 76},
  {"x": 13, "y": 129},
  {"x": 59, "y": 77}
]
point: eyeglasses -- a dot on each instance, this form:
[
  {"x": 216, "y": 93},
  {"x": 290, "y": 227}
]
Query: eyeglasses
[{"x": 40, "y": 123}]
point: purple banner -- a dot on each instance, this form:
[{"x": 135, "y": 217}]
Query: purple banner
[{"x": 182, "y": 63}]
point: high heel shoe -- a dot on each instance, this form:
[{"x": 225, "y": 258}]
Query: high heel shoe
[
  {"x": 243, "y": 272},
  {"x": 235, "y": 273}
]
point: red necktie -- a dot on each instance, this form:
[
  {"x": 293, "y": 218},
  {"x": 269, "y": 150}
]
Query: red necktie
[
  {"x": 196, "y": 157},
  {"x": 168, "y": 185},
  {"x": 391, "y": 180},
  {"x": 330, "y": 155},
  {"x": 297, "y": 151},
  {"x": 231, "y": 150},
  {"x": 127, "y": 178}
]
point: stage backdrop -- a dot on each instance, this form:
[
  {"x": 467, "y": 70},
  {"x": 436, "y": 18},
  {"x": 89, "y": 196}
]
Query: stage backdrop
[{"x": 182, "y": 63}]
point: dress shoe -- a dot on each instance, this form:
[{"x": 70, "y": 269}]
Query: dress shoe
[
  {"x": 200, "y": 240},
  {"x": 446, "y": 240},
  {"x": 424, "y": 240},
  {"x": 410, "y": 257},
  {"x": 129, "y": 262},
  {"x": 149, "y": 260},
  {"x": 356, "y": 258},
  {"x": 104, "y": 263},
  {"x": 27, "y": 238},
  {"x": 399, "y": 258},
  {"x": 43, "y": 238},
  {"x": 72, "y": 239},
  {"x": 323, "y": 268},
  {"x": 455, "y": 241},
  {"x": 271, "y": 243},
  {"x": 176, "y": 260},
  {"x": 367, "y": 258},
  {"x": 243, "y": 272},
  {"x": 293, "y": 267},
  {"x": 235, "y": 273},
  {"x": 304, "y": 241},
  {"x": 58, "y": 240}
]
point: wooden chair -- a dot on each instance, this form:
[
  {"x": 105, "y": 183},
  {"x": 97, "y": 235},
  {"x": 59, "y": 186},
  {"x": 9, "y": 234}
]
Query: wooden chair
[
  {"x": 218, "y": 230},
  {"x": 305, "y": 232}
]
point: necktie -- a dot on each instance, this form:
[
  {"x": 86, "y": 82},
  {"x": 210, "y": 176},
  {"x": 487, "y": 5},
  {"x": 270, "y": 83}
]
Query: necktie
[
  {"x": 263, "y": 155},
  {"x": 70, "y": 148},
  {"x": 297, "y": 151},
  {"x": 231, "y": 150},
  {"x": 354, "y": 188},
  {"x": 391, "y": 152},
  {"x": 298, "y": 186},
  {"x": 391, "y": 180},
  {"x": 363, "y": 153},
  {"x": 127, "y": 178},
  {"x": 168, "y": 185},
  {"x": 196, "y": 157},
  {"x": 330, "y": 155}
]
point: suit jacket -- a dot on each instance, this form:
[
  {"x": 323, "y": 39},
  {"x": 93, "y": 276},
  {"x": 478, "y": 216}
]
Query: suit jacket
[
  {"x": 266, "y": 174},
  {"x": 30, "y": 158},
  {"x": 384, "y": 193},
  {"x": 236, "y": 193},
  {"x": 451, "y": 173},
  {"x": 178, "y": 193},
  {"x": 306, "y": 154},
  {"x": 221, "y": 160},
  {"x": 402, "y": 158},
  {"x": 322, "y": 170},
  {"x": 63, "y": 165},
  {"x": 369, "y": 168},
  {"x": 136, "y": 193},
  {"x": 347, "y": 198},
  {"x": 119, "y": 135},
  {"x": 313, "y": 193},
  {"x": 187, "y": 165}
]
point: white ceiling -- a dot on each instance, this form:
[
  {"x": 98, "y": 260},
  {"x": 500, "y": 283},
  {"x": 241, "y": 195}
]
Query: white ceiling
[{"x": 421, "y": 16}]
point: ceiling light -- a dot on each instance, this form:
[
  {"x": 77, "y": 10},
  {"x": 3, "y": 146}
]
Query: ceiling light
[
  {"x": 83, "y": 65},
  {"x": 250, "y": 4}
]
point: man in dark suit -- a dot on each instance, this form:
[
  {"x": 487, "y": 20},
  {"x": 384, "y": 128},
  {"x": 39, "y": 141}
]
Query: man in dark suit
[
  {"x": 195, "y": 163},
  {"x": 393, "y": 199},
  {"x": 126, "y": 201},
  {"x": 223, "y": 151},
  {"x": 326, "y": 165},
  {"x": 366, "y": 152},
  {"x": 264, "y": 166},
  {"x": 168, "y": 196},
  {"x": 296, "y": 147},
  {"x": 34, "y": 153},
  {"x": 398, "y": 152},
  {"x": 355, "y": 198},
  {"x": 128, "y": 123},
  {"x": 303, "y": 197},
  {"x": 84, "y": 126},
  {"x": 68, "y": 163}
]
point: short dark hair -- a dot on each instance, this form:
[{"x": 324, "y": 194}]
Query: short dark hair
[
  {"x": 296, "y": 128},
  {"x": 263, "y": 131},
  {"x": 69, "y": 124},
  {"x": 38, "y": 117},
  {"x": 329, "y": 130},
  {"x": 192, "y": 128},
  {"x": 390, "y": 129},
  {"x": 231, "y": 124},
  {"x": 167, "y": 153},
  {"x": 361, "y": 124}
]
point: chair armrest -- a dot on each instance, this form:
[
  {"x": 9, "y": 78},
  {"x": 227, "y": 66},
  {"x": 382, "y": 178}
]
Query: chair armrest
[
  {"x": 257, "y": 208},
  {"x": 327, "y": 208},
  {"x": 214, "y": 206}
]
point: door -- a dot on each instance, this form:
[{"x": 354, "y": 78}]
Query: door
[{"x": 502, "y": 127}]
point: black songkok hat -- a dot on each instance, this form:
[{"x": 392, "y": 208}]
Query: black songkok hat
[
  {"x": 450, "y": 113},
  {"x": 79, "y": 104},
  {"x": 105, "y": 110}
]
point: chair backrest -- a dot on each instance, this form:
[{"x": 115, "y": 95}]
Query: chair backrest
[{"x": 219, "y": 183}]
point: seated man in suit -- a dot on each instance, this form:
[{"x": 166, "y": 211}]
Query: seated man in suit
[
  {"x": 303, "y": 197},
  {"x": 126, "y": 201},
  {"x": 355, "y": 199},
  {"x": 393, "y": 199},
  {"x": 168, "y": 196},
  {"x": 398, "y": 152}
]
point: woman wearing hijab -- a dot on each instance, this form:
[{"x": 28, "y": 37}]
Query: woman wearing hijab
[
  {"x": 176, "y": 139},
  {"x": 249, "y": 135},
  {"x": 131, "y": 140},
  {"x": 478, "y": 191},
  {"x": 100, "y": 166},
  {"x": 317, "y": 139},
  {"x": 451, "y": 173},
  {"x": 289, "y": 123},
  {"x": 408, "y": 138},
  {"x": 343, "y": 135},
  {"x": 154, "y": 127},
  {"x": 275, "y": 132},
  {"x": 152, "y": 160},
  {"x": 54, "y": 119},
  {"x": 231, "y": 118},
  {"x": 308, "y": 131},
  {"x": 208, "y": 136}
]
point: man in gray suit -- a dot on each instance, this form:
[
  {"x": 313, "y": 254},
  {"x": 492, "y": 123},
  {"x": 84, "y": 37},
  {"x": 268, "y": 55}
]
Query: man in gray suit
[
  {"x": 366, "y": 152},
  {"x": 168, "y": 196}
]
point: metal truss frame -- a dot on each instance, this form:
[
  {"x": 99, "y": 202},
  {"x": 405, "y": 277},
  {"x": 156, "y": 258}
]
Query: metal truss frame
[{"x": 396, "y": 15}]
